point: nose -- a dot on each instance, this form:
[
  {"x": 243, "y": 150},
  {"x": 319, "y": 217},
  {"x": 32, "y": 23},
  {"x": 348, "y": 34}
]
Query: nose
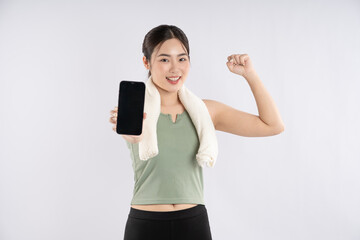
[{"x": 174, "y": 67}]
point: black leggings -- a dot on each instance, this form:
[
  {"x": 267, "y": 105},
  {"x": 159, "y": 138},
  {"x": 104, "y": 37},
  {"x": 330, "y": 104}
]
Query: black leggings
[{"x": 186, "y": 224}]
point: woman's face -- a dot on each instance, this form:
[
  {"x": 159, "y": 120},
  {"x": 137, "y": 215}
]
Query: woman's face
[{"x": 171, "y": 60}]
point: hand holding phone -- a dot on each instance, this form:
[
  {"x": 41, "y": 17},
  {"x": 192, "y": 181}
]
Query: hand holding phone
[{"x": 129, "y": 138}]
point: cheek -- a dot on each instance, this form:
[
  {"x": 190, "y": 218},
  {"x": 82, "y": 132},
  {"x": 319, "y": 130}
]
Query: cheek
[
  {"x": 161, "y": 68},
  {"x": 185, "y": 69},
  {"x": 186, "y": 65}
]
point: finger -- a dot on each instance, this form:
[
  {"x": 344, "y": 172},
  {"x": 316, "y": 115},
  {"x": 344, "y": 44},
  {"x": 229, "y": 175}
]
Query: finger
[
  {"x": 237, "y": 58},
  {"x": 112, "y": 120},
  {"x": 241, "y": 59},
  {"x": 113, "y": 114},
  {"x": 246, "y": 57},
  {"x": 114, "y": 128},
  {"x": 230, "y": 65},
  {"x": 114, "y": 110}
]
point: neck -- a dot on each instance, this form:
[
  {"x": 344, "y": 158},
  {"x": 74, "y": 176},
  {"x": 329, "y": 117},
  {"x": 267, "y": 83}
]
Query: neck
[{"x": 168, "y": 99}]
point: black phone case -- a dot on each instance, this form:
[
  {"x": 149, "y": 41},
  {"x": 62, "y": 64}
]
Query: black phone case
[{"x": 130, "y": 107}]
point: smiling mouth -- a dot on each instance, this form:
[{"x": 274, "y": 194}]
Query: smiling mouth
[{"x": 173, "y": 79}]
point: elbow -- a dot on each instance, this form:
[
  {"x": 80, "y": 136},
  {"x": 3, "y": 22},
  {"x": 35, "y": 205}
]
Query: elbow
[
  {"x": 277, "y": 130},
  {"x": 281, "y": 129}
]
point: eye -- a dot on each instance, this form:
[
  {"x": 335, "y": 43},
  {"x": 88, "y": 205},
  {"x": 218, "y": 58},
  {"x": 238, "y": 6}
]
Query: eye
[{"x": 180, "y": 59}]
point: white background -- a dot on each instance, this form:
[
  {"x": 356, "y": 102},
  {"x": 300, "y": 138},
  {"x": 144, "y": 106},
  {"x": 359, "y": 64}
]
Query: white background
[{"x": 65, "y": 174}]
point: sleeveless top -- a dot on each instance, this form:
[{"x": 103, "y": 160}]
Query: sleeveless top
[{"x": 173, "y": 176}]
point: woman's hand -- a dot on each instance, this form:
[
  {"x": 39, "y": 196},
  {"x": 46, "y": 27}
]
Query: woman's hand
[
  {"x": 240, "y": 64},
  {"x": 129, "y": 138}
]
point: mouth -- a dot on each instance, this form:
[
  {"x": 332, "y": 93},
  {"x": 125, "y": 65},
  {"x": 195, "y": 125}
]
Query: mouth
[{"x": 173, "y": 80}]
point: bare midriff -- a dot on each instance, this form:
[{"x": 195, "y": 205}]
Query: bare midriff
[{"x": 163, "y": 207}]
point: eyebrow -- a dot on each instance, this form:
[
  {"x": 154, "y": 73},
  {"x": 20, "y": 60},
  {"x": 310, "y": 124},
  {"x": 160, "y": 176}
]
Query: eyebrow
[{"x": 167, "y": 55}]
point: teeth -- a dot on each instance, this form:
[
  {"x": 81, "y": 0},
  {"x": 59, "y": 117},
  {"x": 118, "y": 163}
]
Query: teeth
[{"x": 173, "y": 79}]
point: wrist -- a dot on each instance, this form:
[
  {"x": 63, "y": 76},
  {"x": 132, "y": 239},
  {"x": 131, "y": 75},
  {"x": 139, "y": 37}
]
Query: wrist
[{"x": 250, "y": 74}]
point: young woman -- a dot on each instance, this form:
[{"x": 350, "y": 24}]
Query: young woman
[{"x": 168, "y": 201}]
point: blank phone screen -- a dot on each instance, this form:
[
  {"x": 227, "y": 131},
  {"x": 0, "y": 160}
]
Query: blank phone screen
[{"x": 130, "y": 108}]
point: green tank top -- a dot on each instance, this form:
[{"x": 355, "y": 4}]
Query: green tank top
[{"x": 173, "y": 176}]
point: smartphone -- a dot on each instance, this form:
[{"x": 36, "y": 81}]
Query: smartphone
[{"x": 130, "y": 107}]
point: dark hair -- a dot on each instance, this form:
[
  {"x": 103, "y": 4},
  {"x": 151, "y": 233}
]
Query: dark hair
[{"x": 159, "y": 35}]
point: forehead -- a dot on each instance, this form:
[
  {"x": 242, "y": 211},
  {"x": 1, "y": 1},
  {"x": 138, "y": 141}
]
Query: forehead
[{"x": 172, "y": 46}]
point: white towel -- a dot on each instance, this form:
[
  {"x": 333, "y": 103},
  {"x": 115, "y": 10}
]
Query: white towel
[{"x": 199, "y": 114}]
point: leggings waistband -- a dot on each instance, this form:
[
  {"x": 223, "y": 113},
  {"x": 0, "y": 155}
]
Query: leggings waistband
[{"x": 170, "y": 215}]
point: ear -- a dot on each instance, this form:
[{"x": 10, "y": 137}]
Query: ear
[{"x": 146, "y": 63}]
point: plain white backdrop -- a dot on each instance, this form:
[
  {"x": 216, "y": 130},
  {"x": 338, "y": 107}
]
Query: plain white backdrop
[{"x": 65, "y": 174}]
